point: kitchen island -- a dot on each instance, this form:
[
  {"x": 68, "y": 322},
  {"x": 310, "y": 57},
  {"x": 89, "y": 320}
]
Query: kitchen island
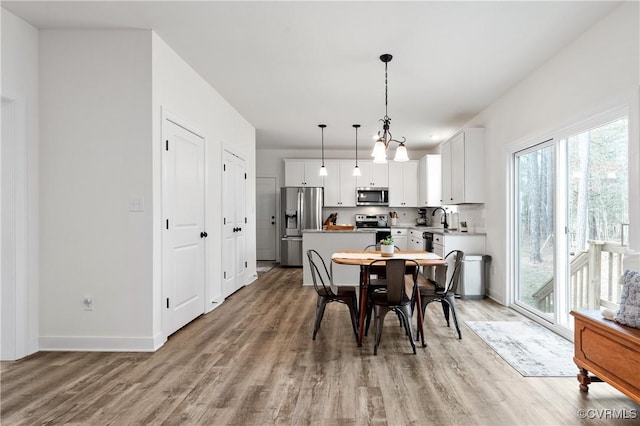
[{"x": 326, "y": 243}]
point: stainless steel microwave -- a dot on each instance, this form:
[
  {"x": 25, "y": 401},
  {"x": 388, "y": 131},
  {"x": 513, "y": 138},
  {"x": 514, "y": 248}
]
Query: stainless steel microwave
[{"x": 372, "y": 196}]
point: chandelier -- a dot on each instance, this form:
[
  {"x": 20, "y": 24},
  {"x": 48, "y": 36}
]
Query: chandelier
[{"x": 385, "y": 138}]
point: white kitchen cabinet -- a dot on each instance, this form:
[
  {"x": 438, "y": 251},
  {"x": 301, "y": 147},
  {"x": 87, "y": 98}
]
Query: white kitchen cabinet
[
  {"x": 339, "y": 184},
  {"x": 430, "y": 181},
  {"x": 373, "y": 175},
  {"x": 468, "y": 243},
  {"x": 463, "y": 171},
  {"x": 400, "y": 237},
  {"x": 302, "y": 172},
  {"x": 403, "y": 184},
  {"x": 415, "y": 241}
]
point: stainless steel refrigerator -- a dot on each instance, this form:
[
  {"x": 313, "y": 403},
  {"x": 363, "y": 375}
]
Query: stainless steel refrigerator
[{"x": 301, "y": 208}]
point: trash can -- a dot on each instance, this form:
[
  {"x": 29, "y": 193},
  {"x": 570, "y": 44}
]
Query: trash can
[{"x": 474, "y": 276}]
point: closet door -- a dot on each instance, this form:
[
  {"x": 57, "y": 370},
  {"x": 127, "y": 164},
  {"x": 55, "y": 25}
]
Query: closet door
[
  {"x": 234, "y": 225},
  {"x": 183, "y": 277}
]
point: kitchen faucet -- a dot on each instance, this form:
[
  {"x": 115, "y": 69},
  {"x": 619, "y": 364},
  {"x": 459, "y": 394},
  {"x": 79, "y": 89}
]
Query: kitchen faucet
[{"x": 444, "y": 215}]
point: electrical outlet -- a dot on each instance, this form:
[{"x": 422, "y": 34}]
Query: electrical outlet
[{"x": 87, "y": 302}]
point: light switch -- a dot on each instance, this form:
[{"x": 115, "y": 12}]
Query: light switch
[{"x": 136, "y": 204}]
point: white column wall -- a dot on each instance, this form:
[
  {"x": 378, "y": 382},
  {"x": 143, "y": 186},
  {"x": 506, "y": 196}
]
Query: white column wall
[
  {"x": 597, "y": 71},
  {"x": 182, "y": 92},
  {"x": 95, "y": 155},
  {"x": 20, "y": 81}
]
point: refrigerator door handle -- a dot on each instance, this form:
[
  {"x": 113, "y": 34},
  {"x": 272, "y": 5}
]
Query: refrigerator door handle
[{"x": 300, "y": 209}]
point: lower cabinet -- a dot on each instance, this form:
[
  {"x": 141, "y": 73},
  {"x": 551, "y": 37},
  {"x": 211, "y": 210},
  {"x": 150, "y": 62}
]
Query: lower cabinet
[
  {"x": 468, "y": 243},
  {"x": 400, "y": 237},
  {"x": 415, "y": 241}
]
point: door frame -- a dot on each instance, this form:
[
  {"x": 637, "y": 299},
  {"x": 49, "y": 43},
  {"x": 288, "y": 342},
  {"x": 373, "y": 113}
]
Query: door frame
[
  {"x": 275, "y": 206},
  {"x": 15, "y": 296},
  {"x": 167, "y": 116},
  {"x": 557, "y": 134}
]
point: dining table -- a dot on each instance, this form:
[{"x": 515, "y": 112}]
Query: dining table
[{"x": 363, "y": 258}]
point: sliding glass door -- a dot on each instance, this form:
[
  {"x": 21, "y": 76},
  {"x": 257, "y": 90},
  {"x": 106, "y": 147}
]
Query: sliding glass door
[
  {"x": 535, "y": 253},
  {"x": 570, "y": 219},
  {"x": 598, "y": 207}
]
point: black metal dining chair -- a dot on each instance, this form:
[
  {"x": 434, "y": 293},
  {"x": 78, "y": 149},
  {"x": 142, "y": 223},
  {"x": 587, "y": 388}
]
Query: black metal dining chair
[
  {"x": 328, "y": 292},
  {"x": 444, "y": 290},
  {"x": 397, "y": 296},
  {"x": 375, "y": 281}
]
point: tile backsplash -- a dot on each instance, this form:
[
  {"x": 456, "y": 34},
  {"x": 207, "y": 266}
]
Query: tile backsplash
[{"x": 473, "y": 214}]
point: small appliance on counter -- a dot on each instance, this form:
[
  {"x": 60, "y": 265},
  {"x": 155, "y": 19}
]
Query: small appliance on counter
[{"x": 422, "y": 220}]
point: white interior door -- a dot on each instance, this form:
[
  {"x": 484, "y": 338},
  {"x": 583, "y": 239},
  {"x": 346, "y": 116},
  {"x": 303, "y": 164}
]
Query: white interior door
[
  {"x": 266, "y": 218},
  {"x": 234, "y": 223},
  {"x": 183, "y": 212}
]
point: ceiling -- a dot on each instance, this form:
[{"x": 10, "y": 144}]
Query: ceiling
[{"x": 288, "y": 66}]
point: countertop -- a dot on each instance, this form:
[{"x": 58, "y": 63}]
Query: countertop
[
  {"x": 342, "y": 231},
  {"x": 436, "y": 230},
  {"x": 439, "y": 231}
]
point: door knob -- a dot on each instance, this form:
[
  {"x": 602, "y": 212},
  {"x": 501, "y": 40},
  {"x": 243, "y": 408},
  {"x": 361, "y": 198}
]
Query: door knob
[
  {"x": 273, "y": 223},
  {"x": 203, "y": 235}
]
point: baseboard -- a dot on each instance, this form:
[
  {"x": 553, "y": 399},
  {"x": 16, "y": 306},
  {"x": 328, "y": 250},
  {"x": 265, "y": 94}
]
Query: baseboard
[
  {"x": 216, "y": 302},
  {"x": 101, "y": 344}
]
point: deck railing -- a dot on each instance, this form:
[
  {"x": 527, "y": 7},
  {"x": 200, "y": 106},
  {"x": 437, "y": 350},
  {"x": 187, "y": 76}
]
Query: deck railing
[{"x": 594, "y": 278}]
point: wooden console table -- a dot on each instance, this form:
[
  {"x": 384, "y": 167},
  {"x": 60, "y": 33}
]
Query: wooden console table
[{"x": 609, "y": 350}]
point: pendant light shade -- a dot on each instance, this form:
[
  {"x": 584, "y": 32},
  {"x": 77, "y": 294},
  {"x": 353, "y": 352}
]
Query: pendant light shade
[
  {"x": 401, "y": 154},
  {"x": 356, "y": 169},
  {"x": 379, "y": 153},
  {"x": 323, "y": 169}
]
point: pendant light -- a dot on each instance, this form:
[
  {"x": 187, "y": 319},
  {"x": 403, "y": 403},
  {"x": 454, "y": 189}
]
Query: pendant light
[
  {"x": 323, "y": 169},
  {"x": 356, "y": 169},
  {"x": 379, "y": 153}
]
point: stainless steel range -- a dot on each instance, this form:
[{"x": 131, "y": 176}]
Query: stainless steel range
[{"x": 379, "y": 222}]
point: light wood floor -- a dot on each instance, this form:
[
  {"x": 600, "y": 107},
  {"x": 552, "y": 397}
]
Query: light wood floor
[{"x": 252, "y": 362}]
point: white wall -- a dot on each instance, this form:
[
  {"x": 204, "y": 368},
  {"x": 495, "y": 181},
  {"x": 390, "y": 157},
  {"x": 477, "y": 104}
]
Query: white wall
[
  {"x": 19, "y": 83},
  {"x": 599, "y": 70},
  {"x": 181, "y": 91},
  {"x": 96, "y": 154}
]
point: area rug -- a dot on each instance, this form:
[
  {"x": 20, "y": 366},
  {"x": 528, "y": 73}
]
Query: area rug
[
  {"x": 530, "y": 348},
  {"x": 263, "y": 266}
]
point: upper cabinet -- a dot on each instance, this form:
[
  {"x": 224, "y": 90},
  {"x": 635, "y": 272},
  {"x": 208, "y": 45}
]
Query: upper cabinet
[
  {"x": 429, "y": 181},
  {"x": 339, "y": 184},
  {"x": 463, "y": 176},
  {"x": 403, "y": 188},
  {"x": 372, "y": 175},
  {"x": 302, "y": 173}
]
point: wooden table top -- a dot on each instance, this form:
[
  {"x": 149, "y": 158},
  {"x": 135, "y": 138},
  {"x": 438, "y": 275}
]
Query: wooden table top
[{"x": 364, "y": 258}]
